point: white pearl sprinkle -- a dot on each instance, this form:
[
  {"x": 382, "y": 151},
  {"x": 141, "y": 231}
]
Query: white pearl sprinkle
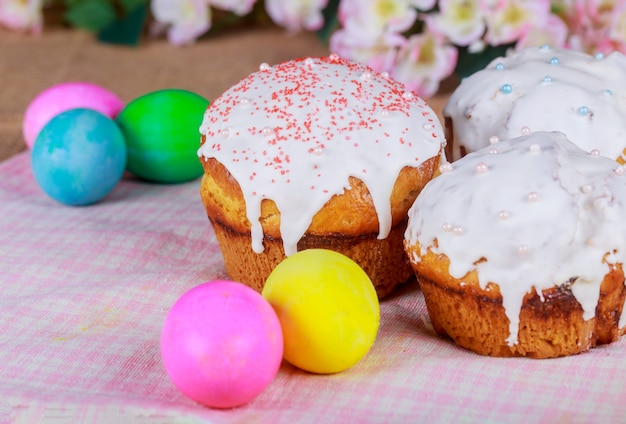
[
  {"x": 407, "y": 95},
  {"x": 458, "y": 230},
  {"x": 503, "y": 215},
  {"x": 595, "y": 152},
  {"x": 493, "y": 151},
  {"x": 428, "y": 127},
  {"x": 587, "y": 188},
  {"x": 447, "y": 227},
  {"x": 493, "y": 139},
  {"x": 535, "y": 148},
  {"x": 620, "y": 170},
  {"x": 532, "y": 197},
  {"x": 333, "y": 56},
  {"x": 445, "y": 167},
  {"x": 267, "y": 131},
  {"x": 244, "y": 101},
  {"x": 384, "y": 113},
  {"x": 385, "y": 74},
  {"x": 225, "y": 132},
  {"x": 264, "y": 66},
  {"x": 309, "y": 61},
  {"x": 522, "y": 249},
  {"x": 318, "y": 150},
  {"x": 525, "y": 130},
  {"x": 482, "y": 168},
  {"x": 365, "y": 76}
]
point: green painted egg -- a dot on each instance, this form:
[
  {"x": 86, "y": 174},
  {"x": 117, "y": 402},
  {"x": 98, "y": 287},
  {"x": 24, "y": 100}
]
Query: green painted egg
[{"x": 162, "y": 135}]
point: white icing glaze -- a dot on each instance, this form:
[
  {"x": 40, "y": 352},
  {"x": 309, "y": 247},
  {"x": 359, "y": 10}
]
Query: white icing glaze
[
  {"x": 538, "y": 217},
  {"x": 543, "y": 89},
  {"x": 296, "y": 132}
]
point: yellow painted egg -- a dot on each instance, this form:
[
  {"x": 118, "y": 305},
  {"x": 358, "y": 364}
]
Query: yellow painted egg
[{"x": 327, "y": 307}]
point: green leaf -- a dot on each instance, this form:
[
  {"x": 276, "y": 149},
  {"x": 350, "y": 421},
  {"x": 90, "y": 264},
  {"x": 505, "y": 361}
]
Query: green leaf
[
  {"x": 468, "y": 63},
  {"x": 92, "y": 15},
  {"x": 130, "y": 5},
  {"x": 128, "y": 29},
  {"x": 331, "y": 21}
]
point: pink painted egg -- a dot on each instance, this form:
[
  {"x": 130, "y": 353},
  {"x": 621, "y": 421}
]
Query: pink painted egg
[
  {"x": 221, "y": 344},
  {"x": 65, "y": 96}
]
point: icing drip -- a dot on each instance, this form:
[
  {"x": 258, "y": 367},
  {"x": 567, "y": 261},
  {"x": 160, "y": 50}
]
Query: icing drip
[
  {"x": 295, "y": 132},
  {"x": 539, "y": 218},
  {"x": 543, "y": 89}
]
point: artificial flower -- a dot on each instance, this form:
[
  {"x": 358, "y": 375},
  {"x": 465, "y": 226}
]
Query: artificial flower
[
  {"x": 22, "y": 15},
  {"x": 553, "y": 33},
  {"x": 296, "y": 15},
  {"x": 238, "y": 7},
  {"x": 508, "y": 20},
  {"x": 377, "y": 16},
  {"x": 184, "y": 20},
  {"x": 617, "y": 28},
  {"x": 378, "y": 53},
  {"x": 423, "y": 62},
  {"x": 461, "y": 21}
]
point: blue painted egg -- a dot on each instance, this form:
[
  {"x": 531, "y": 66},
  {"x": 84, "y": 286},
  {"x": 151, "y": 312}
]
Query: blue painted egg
[{"x": 79, "y": 156}]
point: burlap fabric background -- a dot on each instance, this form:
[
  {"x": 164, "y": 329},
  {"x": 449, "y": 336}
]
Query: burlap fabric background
[{"x": 30, "y": 64}]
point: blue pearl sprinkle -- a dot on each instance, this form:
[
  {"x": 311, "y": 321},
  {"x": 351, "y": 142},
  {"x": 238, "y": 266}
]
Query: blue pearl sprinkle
[
  {"x": 500, "y": 66},
  {"x": 599, "y": 55},
  {"x": 547, "y": 78},
  {"x": 506, "y": 88},
  {"x": 554, "y": 61},
  {"x": 583, "y": 110},
  {"x": 545, "y": 47},
  {"x": 608, "y": 92}
]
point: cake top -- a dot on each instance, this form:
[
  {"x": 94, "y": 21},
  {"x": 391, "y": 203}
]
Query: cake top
[
  {"x": 295, "y": 132},
  {"x": 533, "y": 211},
  {"x": 543, "y": 89}
]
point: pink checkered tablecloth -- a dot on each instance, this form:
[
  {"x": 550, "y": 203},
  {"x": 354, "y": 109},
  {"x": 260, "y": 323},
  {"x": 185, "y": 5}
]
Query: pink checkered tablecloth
[{"x": 84, "y": 292}]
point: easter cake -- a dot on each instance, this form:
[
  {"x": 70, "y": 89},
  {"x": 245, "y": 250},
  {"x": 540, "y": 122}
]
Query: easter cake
[
  {"x": 541, "y": 89},
  {"x": 316, "y": 153},
  {"x": 519, "y": 248}
]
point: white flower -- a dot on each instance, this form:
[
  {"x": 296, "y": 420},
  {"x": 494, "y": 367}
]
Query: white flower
[
  {"x": 377, "y": 16},
  {"x": 22, "y": 15},
  {"x": 552, "y": 33},
  {"x": 378, "y": 53},
  {"x": 424, "y": 62},
  {"x": 423, "y": 4},
  {"x": 617, "y": 30},
  {"x": 508, "y": 20},
  {"x": 297, "y": 14},
  {"x": 461, "y": 21},
  {"x": 184, "y": 20},
  {"x": 238, "y": 7}
]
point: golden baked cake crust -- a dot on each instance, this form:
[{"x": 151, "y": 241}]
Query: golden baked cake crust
[
  {"x": 347, "y": 224},
  {"x": 549, "y": 326}
]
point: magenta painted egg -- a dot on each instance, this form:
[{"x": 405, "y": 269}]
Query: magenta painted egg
[
  {"x": 65, "y": 96},
  {"x": 221, "y": 344}
]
